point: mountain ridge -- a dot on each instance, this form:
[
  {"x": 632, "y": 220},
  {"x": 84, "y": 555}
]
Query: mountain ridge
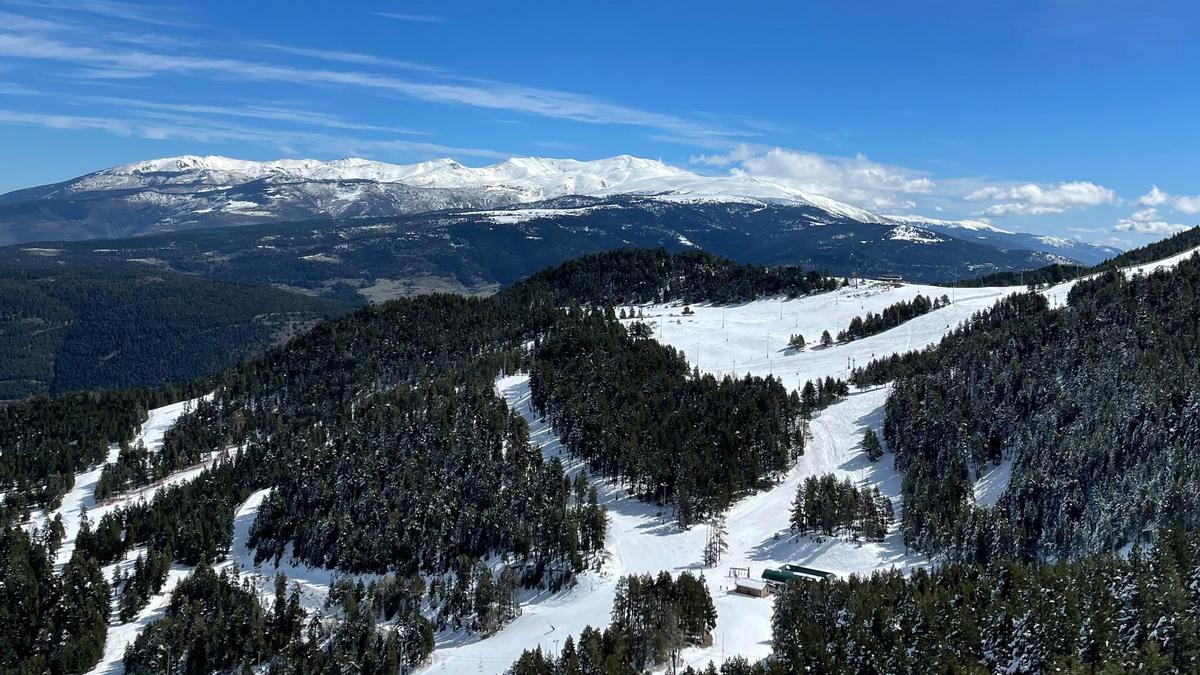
[{"x": 217, "y": 190}]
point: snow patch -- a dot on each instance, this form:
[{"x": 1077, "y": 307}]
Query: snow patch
[
  {"x": 914, "y": 234},
  {"x": 992, "y": 484}
]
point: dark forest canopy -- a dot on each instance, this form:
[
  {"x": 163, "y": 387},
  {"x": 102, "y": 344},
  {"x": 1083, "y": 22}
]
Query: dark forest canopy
[
  {"x": 1096, "y": 404},
  {"x": 635, "y": 412},
  {"x": 355, "y": 427},
  {"x": 46, "y": 440},
  {"x": 634, "y": 276},
  {"x": 65, "y": 328}
]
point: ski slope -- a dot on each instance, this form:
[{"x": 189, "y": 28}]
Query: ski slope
[
  {"x": 735, "y": 340},
  {"x": 751, "y": 338},
  {"x": 644, "y": 539},
  {"x": 81, "y": 500},
  {"x": 82, "y": 497}
]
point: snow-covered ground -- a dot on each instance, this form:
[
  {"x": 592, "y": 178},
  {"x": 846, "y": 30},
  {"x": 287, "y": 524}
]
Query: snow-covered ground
[
  {"x": 749, "y": 338},
  {"x": 121, "y": 635},
  {"x": 752, "y": 337},
  {"x": 644, "y": 539},
  {"x": 992, "y": 484},
  {"x": 82, "y": 497}
]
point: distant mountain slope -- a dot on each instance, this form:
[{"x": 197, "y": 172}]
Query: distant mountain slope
[
  {"x": 181, "y": 193},
  {"x": 985, "y": 233},
  {"x": 478, "y": 249},
  {"x": 65, "y": 328}
]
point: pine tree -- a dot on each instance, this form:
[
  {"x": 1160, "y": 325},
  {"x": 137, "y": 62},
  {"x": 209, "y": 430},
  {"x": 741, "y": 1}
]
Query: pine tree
[
  {"x": 717, "y": 542},
  {"x": 871, "y": 445}
]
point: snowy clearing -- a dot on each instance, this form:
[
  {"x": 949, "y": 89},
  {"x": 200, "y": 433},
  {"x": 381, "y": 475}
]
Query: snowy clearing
[
  {"x": 752, "y": 337},
  {"x": 121, "y": 635},
  {"x": 992, "y": 484}
]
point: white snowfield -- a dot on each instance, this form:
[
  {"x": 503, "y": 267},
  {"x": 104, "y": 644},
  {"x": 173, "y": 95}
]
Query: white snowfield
[{"x": 752, "y": 338}]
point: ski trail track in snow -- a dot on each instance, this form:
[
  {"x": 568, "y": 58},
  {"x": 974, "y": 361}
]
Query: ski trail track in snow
[{"x": 643, "y": 539}]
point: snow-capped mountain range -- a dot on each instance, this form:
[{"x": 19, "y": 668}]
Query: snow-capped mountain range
[
  {"x": 516, "y": 180},
  {"x": 188, "y": 192}
]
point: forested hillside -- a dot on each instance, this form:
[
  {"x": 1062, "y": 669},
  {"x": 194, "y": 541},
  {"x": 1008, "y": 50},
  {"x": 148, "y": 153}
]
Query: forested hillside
[
  {"x": 631, "y": 408},
  {"x": 1099, "y": 615},
  {"x": 1095, "y": 405},
  {"x": 382, "y": 447},
  {"x": 1059, "y": 272},
  {"x": 65, "y": 327},
  {"x": 626, "y": 276},
  {"x": 46, "y": 440},
  {"x": 381, "y": 444}
]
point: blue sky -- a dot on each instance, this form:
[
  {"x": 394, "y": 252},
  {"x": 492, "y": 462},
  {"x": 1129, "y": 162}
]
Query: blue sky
[{"x": 1054, "y": 116}]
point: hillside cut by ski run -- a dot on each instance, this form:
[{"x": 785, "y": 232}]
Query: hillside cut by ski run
[{"x": 448, "y": 482}]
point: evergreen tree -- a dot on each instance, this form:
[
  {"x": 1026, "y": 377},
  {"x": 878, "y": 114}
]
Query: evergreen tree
[{"x": 871, "y": 445}]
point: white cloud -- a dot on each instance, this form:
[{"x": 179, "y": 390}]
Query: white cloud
[
  {"x": 1148, "y": 221},
  {"x": 474, "y": 93},
  {"x": 263, "y": 112},
  {"x": 857, "y": 180},
  {"x": 1154, "y": 197},
  {"x": 1031, "y": 199},
  {"x": 1181, "y": 203},
  {"x": 1188, "y": 205},
  {"x": 354, "y": 57},
  {"x": 158, "y": 15},
  {"x": 176, "y": 127}
]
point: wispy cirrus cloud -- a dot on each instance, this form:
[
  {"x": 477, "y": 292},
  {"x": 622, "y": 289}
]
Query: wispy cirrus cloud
[
  {"x": 412, "y": 18},
  {"x": 14, "y": 89},
  {"x": 476, "y": 93},
  {"x": 207, "y": 131},
  {"x": 255, "y": 111},
  {"x": 354, "y": 57},
  {"x": 156, "y": 15}
]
